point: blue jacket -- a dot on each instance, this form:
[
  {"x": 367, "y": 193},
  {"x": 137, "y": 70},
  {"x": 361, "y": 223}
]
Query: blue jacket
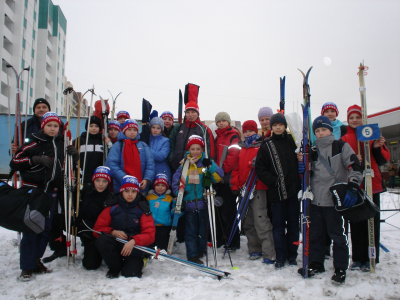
[
  {"x": 161, "y": 207},
  {"x": 115, "y": 162},
  {"x": 193, "y": 198},
  {"x": 159, "y": 147}
]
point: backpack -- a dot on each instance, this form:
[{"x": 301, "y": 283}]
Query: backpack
[{"x": 24, "y": 209}]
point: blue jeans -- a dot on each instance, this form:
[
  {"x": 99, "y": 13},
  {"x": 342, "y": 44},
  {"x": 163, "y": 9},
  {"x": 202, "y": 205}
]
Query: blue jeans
[
  {"x": 34, "y": 245},
  {"x": 195, "y": 232}
]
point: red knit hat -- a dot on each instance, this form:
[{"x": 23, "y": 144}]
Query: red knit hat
[
  {"x": 102, "y": 172},
  {"x": 192, "y": 106},
  {"x": 161, "y": 178},
  {"x": 195, "y": 139},
  {"x": 249, "y": 125},
  {"x": 49, "y": 117},
  {"x": 329, "y": 105},
  {"x": 355, "y": 109}
]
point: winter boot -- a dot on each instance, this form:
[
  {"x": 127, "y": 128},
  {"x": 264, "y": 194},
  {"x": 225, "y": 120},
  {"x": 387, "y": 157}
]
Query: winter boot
[
  {"x": 268, "y": 261},
  {"x": 56, "y": 254},
  {"x": 279, "y": 265},
  {"x": 196, "y": 260},
  {"x": 40, "y": 268},
  {"x": 356, "y": 266},
  {"x": 26, "y": 275},
  {"x": 292, "y": 262},
  {"x": 339, "y": 276},
  {"x": 255, "y": 255},
  {"x": 112, "y": 275},
  {"x": 313, "y": 268}
]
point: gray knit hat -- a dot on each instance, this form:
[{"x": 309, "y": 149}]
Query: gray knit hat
[
  {"x": 157, "y": 121},
  {"x": 265, "y": 112},
  {"x": 222, "y": 116}
]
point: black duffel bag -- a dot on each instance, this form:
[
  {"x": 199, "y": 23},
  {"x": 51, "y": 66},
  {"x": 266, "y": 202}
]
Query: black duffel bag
[
  {"x": 24, "y": 209},
  {"x": 364, "y": 208}
]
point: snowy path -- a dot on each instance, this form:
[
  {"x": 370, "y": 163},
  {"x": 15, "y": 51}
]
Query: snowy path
[{"x": 165, "y": 280}]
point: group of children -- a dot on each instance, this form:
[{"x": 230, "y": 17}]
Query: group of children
[{"x": 131, "y": 197}]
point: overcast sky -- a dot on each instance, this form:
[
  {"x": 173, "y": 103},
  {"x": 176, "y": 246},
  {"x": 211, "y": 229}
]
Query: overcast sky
[{"x": 235, "y": 51}]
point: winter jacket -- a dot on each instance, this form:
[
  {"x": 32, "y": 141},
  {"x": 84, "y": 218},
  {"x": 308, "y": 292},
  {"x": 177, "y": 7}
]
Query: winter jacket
[
  {"x": 377, "y": 155},
  {"x": 180, "y": 136},
  {"x": 193, "y": 194},
  {"x": 167, "y": 131},
  {"x": 159, "y": 147},
  {"x": 283, "y": 180},
  {"x": 341, "y": 159},
  {"x": 161, "y": 207},
  {"x": 392, "y": 170},
  {"x": 225, "y": 138},
  {"x": 242, "y": 171},
  {"x": 37, "y": 175},
  {"x": 94, "y": 154},
  {"x": 115, "y": 161},
  {"x": 133, "y": 218}
]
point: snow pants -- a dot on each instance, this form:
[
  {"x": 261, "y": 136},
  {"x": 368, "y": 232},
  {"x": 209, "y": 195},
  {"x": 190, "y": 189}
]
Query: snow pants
[
  {"x": 258, "y": 228},
  {"x": 285, "y": 221},
  {"x": 110, "y": 250},
  {"x": 91, "y": 256},
  {"x": 34, "y": 245},
  {"x": 162, "y": 237},
  {"x": 359, "y": 236},
  {"x": 327, "y": 220},
  {"x": 195, "y": 232},
  {"x": 227, "y": 213}
]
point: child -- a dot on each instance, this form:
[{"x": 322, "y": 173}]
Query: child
[
  {"x": 94, "y": 149},
  {"x": 379, "y": 155},
  {"x": 129, "y": 220},
  {"x": 159, "y": 146},
  {"x": 161, "y": 205},
  {"x": 129, "y": 156},
  {"x": 342, "y": 160},
  {"x": 93, "y": 203},
  {"x": 277, "y": 166},
  {"x": 168, "y": 119},
  {"x": 195, "y": 208},
  {"x": 122, "y": 116},
  {"x": 113, "y": 128},
  {"x": 40, "y": 163},
  {"x": 264, "y": 117},
  {"x": 330, "y": 110},
  {"x": 257, "y": 225},
  {"x": 228, "y": 137}
]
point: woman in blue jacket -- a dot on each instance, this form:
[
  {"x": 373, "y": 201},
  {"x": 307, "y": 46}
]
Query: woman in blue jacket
[
  {"x": 159, "y": 146},
  {"x": 129, "y": 156}
]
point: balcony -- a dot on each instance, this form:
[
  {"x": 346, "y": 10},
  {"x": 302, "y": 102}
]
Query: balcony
[
  {"x": 11, "y": 5},
  {"x": 9, "y": 23},
  {"x": 7, "y": 45}
]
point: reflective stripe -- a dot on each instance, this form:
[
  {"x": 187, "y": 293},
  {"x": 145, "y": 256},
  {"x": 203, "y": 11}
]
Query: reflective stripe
[{"x": 91, "y": 148}]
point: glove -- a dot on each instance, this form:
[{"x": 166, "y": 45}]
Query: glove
[
  {"x": 43, "y": 160},
  {"x": 351, "y": 195},
  {"x": 71, "y": 150},
  {"x": 302, "y": 167},
  {"x": 235, "y": 192},
  {"x": 207, "y": 162}
]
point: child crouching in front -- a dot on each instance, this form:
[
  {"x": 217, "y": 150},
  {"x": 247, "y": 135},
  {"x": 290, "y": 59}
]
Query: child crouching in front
[
  {"x": 129, "y": 220},
  {"x": 193, "y": 201}
]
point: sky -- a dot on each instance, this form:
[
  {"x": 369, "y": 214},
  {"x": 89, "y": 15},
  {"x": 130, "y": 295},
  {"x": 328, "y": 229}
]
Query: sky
[{"x": 236, "y": 51}]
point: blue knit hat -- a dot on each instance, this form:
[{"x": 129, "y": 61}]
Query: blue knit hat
[
  {"x": 322, "y": 121},
  {"x": 129, "y": 182},
  {"x": 102, "y": 172},
  {"x": 129, "y": 123},
  {"x": 153, "y": 114},
  {"x": 167, "y": 114},
  {"x": 157, "y": 121},
  {"x": 123, "y": 114},
  {"x": 278, "y": 118},
  {"x": 265, "y": 112},
  {"x": 161, "y": 178}
]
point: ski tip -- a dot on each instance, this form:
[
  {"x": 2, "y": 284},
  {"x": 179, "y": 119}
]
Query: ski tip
[
  {"x": 219, "y": 277},
  {"x": 235, "y": 268},
  {"x": 227, "y": 274}
]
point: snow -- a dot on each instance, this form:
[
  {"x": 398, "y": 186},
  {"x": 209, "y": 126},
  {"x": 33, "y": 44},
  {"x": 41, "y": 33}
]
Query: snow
[{"x": 166, "y": 280}]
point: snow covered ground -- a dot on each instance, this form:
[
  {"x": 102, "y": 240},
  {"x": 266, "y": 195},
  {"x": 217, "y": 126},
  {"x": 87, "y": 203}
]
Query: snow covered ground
[{"x": 166, "y": 280}]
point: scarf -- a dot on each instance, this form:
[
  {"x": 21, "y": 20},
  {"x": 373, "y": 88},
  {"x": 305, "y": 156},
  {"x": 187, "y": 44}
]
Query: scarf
[
  {"x": 251, "y": 139},
  {"x": 131, "y": 157},
  {"x": 194, "y": 177}
]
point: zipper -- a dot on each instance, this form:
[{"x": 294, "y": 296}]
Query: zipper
[{"x": 54, "y": 164}]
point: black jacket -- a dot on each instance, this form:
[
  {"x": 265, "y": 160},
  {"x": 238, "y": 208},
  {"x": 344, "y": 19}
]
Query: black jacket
[
  {"x": 283, "y": 180},
  {"x": 167, "y": 132},
  {"x": 37, "y": 175}
]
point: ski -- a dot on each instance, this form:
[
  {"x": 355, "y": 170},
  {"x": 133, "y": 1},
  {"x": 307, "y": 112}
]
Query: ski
[
  {"x": 305, "y": 195},
  {"x": 146, "y": 110},
  {"x": 104, "y": 121},
  {"x": 282, "y": 99},
  {"x": 180, "y": 107},
  {"x": 369, "y": 173},
  {"x": 114, "y": 100},
  {"x": 178, "y": 206}
]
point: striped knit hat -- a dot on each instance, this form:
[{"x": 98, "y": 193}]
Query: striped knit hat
[
  {"x": 123, "y": 114},
  {"x": 161, "y": 178},
  {"x": 48, "y": 117},
  {"x": 195, "y": 139},
  {"x": 320, "y": 122},
  {"x": 329, "y": 105},
  {"x": 129, "y": 123},
  {"x": 355, "y": 109},
  {"x": 192, "y": 106},
  {"x": 102, "y": 172},
  {"x": 167, "y": 114},
  {"x": 129, "y": 182},
  {"x": 114, "y": 124}
]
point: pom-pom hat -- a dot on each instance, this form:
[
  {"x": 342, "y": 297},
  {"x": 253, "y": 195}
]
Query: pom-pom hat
[
  {"x": 161, "y": 178},
  {"x": 102, "y": 172},
  {"x": 129, "y": 123},
  {"x": 329, "y": 105},
  {"x": 114, "y": 124},
  {"x": 167, "y": 114},
  {"x": 123, "y": 114},
  {"x": 195, "y": 139},
  {"x": 49, "y": 117},
  {"x": 129, "y": 182}
]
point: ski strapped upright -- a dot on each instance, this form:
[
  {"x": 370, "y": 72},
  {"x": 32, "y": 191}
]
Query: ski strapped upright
[
  {"x": 369, "y": 173},
  {"x": 305, "y": 194},
  {"x": 282, "y": 98}
]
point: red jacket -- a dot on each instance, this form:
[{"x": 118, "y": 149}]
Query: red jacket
[
  {"x": 351, "y": 138},
  {"x": 147, "y": 229},
  {"x": 241, "y": 172},
  {"x": 227, "y": 137}
]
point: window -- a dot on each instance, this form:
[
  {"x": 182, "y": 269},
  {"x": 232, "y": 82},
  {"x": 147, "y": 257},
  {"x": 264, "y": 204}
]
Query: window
[
  {"x": 26, "y": 3},
  {"x": 56, "y": 96},
  {"x": 32, "y": 72},
  {"x": 61, "y": 100},
  {"x": 59, "y": 35},
  {"x": 64, "y": 44},
  {"x": 33, "y": 33},
  {"x": 58, "y": 50},
  {"x": 33, "y": 53},
  {"x": 22, "y": 63},
  {"x": 23, "y": 43},
  {"x": 22, "y": 106},
  {"x": 58, "y": 66},
  {"x": 25, "y": 22},
  {"x": 30, "y": 92},
  {"x": 57, "y": 111},
  {"x": 57, "y": 80},
  {"x": 62, "y": 72},
  {"x": 62, "y": 87},
  {"x": 21, "y": 85},
  {"x": 30, "y": 110},
  {"x": 63, "y": 57},
  {"x": 34, "y": 15}
]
